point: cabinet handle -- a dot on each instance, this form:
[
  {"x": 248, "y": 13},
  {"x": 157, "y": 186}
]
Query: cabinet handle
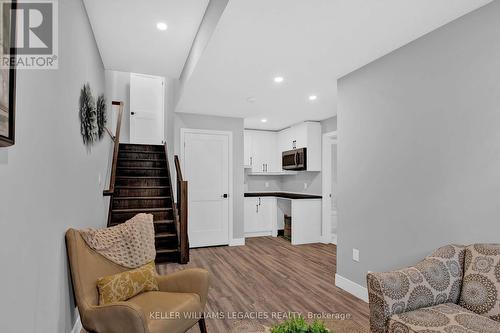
[
  {"x": 251, "y": 160},
  {"x": 259, "y": 201},
  {"x": 256, "y": 208}
]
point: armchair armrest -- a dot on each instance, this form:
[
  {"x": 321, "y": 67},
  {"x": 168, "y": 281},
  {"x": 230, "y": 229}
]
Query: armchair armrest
[
  {"x": 435, "y": 280},
  {"x": 193, "y": 280},
  {"x": 115, "y": 318}
]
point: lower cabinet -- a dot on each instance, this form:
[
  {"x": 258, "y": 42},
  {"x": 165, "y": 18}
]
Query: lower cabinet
[{"x": 260, "y": 216}]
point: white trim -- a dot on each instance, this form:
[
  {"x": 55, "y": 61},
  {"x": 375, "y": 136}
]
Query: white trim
[
  {"x": 230, "y": 168},
  {"x": 258, "y": 234},
  {"x": 77, "y": 328},
  {"x": 237, "y": 241},
  {"x": 333, "y": 239},
  {"x": 351, "y": 287},
  {"x": 326, "y": 176}
]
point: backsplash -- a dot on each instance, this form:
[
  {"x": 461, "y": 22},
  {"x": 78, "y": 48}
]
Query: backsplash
[{"x": 285, "y": 183}]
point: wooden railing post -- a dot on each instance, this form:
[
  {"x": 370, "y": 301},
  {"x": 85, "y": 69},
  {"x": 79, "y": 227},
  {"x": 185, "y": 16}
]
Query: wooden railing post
[
  {"x": 183, "y": 217},
  {"x": 116, "y": 147},
  {"x": 182, "y": 206}
]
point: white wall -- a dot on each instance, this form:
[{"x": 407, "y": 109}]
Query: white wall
[
  {"x": 419, "y": 148},
  {"x": 49, "y": 182},
  {"x": 118, "y": 89}
]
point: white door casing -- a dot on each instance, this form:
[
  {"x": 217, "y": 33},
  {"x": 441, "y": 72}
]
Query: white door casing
[
  {"x": 329, "y": 216},
  {"x": 206, "y": 157},
  {"x": 147, "y": 94}
]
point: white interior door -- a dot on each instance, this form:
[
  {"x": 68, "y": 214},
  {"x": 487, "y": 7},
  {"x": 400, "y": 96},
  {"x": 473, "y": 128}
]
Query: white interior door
[
  {"x": 147, "y": 109},
  {"x": 329, "y": 184},
  {"x": 206, "y": 160}
]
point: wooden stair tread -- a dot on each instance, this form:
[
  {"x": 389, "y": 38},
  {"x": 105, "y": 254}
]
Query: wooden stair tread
[
  {"x": 141, "y": 187},
  {"x": 140, "y": 198},
  {"x": 165, "y": 234},
  {"x": 163, "y": 221},
  {"x": 163, "y": 251},
  {"x": 141, "y": 210},
  {"x": 139, "y": 168},
  {"x": 142, "y": 177},
  {"x": 125, "y": 159},
  {"x": 140, "y": 144},
  {"x": 142, "y": 151}
]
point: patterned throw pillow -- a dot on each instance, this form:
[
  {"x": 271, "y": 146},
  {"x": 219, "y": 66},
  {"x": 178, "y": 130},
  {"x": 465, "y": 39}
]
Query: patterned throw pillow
[
  {"x": 123, "y": 286},
  {"x": 481, "y": 285}
]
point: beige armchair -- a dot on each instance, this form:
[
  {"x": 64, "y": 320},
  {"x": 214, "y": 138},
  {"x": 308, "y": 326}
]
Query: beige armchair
[{"x": 183, "y": 293}]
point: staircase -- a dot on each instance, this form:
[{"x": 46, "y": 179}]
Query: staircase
[{"x": 143, "y": 185}]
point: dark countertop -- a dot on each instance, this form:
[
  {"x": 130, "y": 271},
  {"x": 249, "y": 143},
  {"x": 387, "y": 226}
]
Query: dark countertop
[{"x": 286, "y": 195}]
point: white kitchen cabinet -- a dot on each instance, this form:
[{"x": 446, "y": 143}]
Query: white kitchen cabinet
[
  {"x": 259, "y": 216},
  {"x": 247, "y": 150},
  {"x": 261, "y": 151},
  {"x": 303, "y": 135}
]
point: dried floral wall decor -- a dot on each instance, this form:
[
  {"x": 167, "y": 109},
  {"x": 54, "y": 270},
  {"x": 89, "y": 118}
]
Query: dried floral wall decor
[{"x": 92, "y": 116}]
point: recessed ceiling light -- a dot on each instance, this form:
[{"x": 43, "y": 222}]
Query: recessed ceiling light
[
  {"x": 313, "y": 97},
  {"x": 264, "y": 120},
  {"x": 278, "y": 79},
  {"x": 162, "y": 26}
]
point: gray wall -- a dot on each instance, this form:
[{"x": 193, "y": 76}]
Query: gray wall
[
  {"x": 419, "y": 147},
  {"x": 329, "y": 125},
  {"x": 49, "y": 182},
  {"x": 235, "y": 125}
]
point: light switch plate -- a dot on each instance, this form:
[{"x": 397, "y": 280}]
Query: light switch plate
[
  {"x": 355, "y": 255},
  {"x": 267, "y": 184}
]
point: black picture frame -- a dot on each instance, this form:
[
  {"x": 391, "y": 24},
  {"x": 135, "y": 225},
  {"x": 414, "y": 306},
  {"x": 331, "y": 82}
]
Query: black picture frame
[{"x": 9, "y": 140}]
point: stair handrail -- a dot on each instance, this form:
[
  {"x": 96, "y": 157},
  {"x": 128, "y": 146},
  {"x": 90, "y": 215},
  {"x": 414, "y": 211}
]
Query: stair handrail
[
  {"x": 116, "y": 138},
  {"x": 182, "y": 209}
]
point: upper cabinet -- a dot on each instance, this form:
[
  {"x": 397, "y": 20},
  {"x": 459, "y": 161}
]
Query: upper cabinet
[
  {"x": 260, "y": 151},
  {"x": 303, "y": 135},
  {"x": 263, "y": 148}
]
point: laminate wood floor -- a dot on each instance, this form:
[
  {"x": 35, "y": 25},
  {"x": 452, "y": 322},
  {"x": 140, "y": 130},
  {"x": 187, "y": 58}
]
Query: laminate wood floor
[{"x": 270, "y": 275}]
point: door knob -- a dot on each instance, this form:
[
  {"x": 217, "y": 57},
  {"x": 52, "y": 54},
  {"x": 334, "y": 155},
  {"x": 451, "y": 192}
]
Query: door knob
[
  {"x": 132, "y": 113},
  {"x": 224, "y": 195}
]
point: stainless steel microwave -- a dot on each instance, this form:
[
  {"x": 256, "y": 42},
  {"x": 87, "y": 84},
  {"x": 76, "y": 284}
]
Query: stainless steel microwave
[{"x": 294, "y": 159}]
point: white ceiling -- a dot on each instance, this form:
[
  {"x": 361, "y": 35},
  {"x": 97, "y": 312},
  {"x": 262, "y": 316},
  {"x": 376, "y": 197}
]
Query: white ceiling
[
  {"x": 127, "y": 38},
  {"x": 311, "y": 44}
]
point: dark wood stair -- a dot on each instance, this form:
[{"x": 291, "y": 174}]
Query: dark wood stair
[{"x": 143, "y": 185}]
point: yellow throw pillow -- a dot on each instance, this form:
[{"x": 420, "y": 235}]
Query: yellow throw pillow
[{"x": 123, "y": 286}]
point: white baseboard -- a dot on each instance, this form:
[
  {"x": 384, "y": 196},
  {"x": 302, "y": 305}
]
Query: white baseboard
[
  {"x": 325, "y": 239},
  {"x": 237, "y": 242},
  {"x": 351, "y": 287},
  {"x": 334, "y": 239},
  {"x": 77, "y": 328},
  {"x": 258, "y": 234}
]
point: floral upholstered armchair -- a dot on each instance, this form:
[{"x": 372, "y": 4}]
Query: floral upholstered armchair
[{"x": 456, "y": 289}]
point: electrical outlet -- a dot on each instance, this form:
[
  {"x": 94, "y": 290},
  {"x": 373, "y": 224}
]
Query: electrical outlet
[
  {"x": 305, "y": 186},
  {"x": 355, "y": 255},
  {"x": 266, "y": 184}
]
